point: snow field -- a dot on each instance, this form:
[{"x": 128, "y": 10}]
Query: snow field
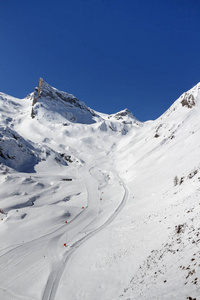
[{"x": 110, "y": 207}]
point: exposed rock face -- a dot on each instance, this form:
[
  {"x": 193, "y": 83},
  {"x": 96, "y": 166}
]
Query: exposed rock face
[
  {"x": 122, "y": 114},
  {"x": 46, "y": 92},
  {"x": 125, "y": 116},
  {"x": 37, "y": 91},
  {"x": 188, "y": 100}
]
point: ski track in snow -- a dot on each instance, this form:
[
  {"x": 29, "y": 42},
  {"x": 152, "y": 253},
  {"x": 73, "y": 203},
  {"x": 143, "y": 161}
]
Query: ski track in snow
[{"x": 58, "y": 268}]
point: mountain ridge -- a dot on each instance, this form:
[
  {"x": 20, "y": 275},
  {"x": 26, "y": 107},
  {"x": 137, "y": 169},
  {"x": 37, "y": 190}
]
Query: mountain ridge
[{"x": 99, "y": 206}]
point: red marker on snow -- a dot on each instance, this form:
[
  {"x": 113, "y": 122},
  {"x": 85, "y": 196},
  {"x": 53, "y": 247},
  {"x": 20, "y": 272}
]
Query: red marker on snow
[
  {"x": 66, "y": 222},
  {"x": 65, "y": 244}
]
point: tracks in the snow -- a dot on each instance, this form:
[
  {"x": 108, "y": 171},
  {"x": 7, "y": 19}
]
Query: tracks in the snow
[{"x": 58, "y": 267}]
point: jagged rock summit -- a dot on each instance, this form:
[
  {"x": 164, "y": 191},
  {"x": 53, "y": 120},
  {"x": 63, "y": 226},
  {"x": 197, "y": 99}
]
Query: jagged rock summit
[
  {"x": 46, "y": 98},
  {"x": 125, "y": 116},
  {"x": 31, "y": 126}
]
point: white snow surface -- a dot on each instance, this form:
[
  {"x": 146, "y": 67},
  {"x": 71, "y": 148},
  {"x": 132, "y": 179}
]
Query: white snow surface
[{"x": 96, "y": 206}]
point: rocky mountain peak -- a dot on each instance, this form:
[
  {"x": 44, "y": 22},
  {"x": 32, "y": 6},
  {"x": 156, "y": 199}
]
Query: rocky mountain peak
[
  {"x": 191, "y": 97},
  {"x": 45, "y": 90},
  {"x": 125, "y": 116},
  {"x": 69, "y": 106}
]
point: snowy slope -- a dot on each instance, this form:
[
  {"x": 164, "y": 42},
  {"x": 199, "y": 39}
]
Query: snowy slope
[{"x": 97, "y": 206}]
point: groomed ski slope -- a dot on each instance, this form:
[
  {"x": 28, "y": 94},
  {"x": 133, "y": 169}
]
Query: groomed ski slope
[
  {"x": 45, "y": 256},
  {"x": 55, "y": 278},
  {"x": 107, "y": 210}
]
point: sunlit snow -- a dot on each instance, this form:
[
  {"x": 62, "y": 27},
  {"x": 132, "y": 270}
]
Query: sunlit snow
[{"x": 96, "y": 206}]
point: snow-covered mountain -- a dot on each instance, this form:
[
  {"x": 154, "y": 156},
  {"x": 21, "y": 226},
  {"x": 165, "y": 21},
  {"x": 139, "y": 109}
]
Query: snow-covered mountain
[{"x": 97, "y": 206}]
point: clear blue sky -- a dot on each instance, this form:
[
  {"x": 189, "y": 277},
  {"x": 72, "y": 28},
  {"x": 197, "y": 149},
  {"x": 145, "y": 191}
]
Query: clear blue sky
[{"x": 111, "y": 54}]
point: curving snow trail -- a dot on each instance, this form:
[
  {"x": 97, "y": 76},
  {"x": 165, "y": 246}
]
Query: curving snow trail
[{"x": 58, "y": 268}]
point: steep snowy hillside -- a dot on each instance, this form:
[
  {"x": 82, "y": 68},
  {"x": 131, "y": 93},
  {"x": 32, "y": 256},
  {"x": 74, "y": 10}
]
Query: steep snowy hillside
[
  {"x": 163, "y": 173},
  {"x": 97, "y": 206}
]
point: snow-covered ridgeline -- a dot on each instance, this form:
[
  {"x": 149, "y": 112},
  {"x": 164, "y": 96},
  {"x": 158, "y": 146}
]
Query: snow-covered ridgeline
[{"x": 67, "y": 171}]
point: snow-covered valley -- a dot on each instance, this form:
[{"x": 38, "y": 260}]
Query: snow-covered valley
[{"x": 96, "y": 206}]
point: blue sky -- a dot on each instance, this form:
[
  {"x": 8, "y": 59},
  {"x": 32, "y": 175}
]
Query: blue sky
[{"x": 111, "y": 54}]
